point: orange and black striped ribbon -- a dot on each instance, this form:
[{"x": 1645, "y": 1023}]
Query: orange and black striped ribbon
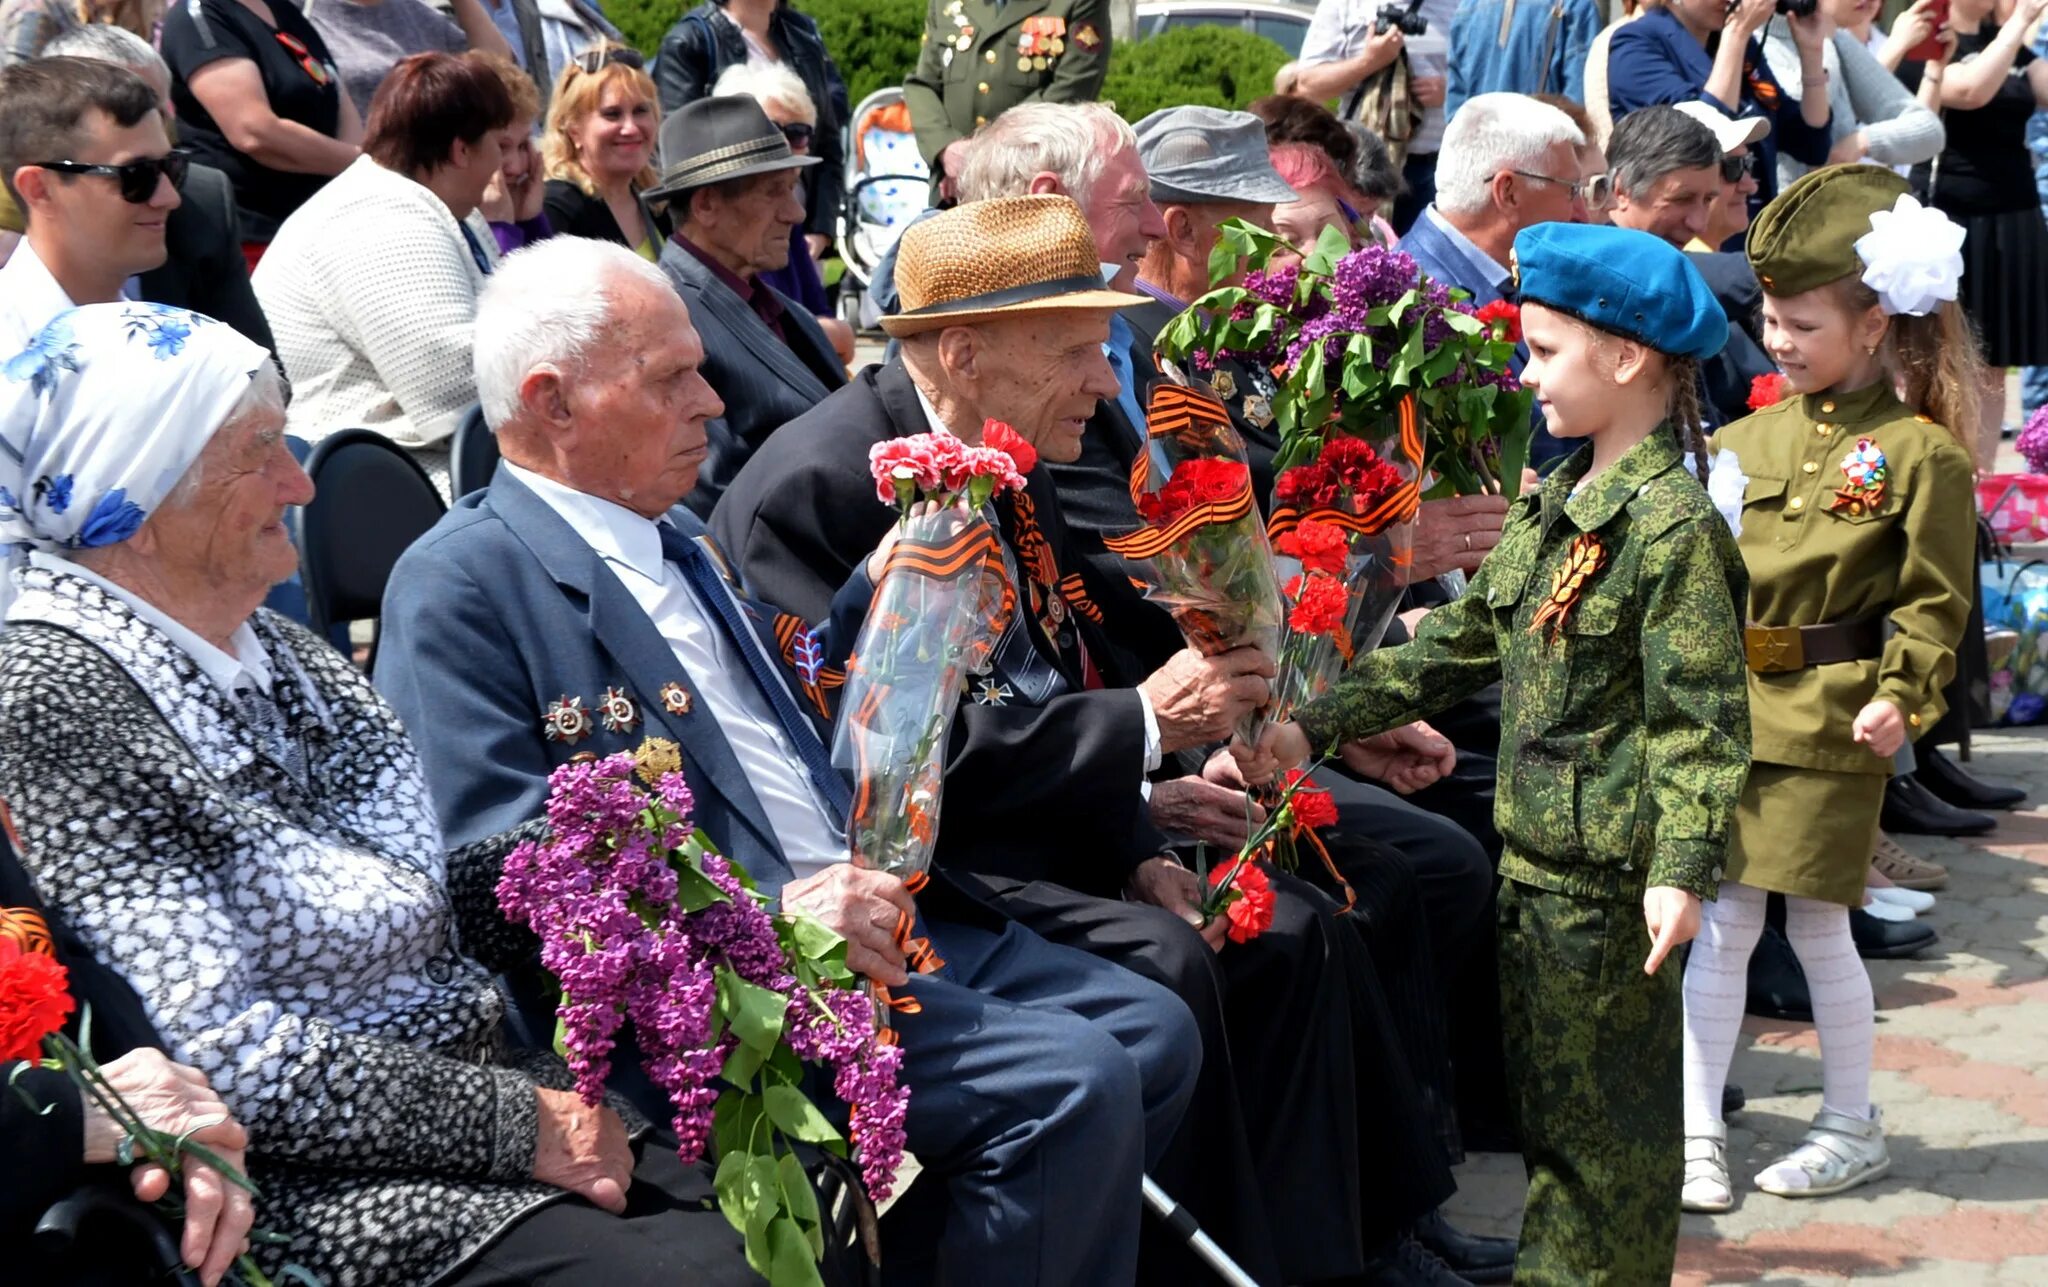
[
  {"x": 1075, "y": 591},
  {"x": 1398, "y": 506},
  {"x": 26, "y": 929},
  {"x": 789, "y": 628},
  {"x": 1177, "y": 411}
]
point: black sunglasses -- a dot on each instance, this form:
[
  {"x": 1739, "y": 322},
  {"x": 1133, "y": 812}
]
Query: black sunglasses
[
  {"x": 799, "y": 134},
  {"x": 598, "y": 57},
  {"x": 1733, "y": 168},
  {"x": 136, "y": 178}
]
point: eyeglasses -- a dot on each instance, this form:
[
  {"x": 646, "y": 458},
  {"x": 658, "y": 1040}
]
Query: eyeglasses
[
  {"x": 1572, "y": 187},
  {"x": 799, "y": 134},
  {"x": 1736, "y": 168},
  {"x": 598, "y": 57},
  {"x": 137, "y": 179}
]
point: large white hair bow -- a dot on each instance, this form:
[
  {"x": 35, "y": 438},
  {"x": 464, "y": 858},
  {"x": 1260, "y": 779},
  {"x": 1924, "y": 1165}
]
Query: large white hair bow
[{"x": 1912, "y": 257}]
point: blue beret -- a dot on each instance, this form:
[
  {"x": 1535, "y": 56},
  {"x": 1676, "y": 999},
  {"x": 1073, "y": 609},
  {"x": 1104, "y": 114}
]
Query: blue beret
[{"x": 1616, "y": 279}]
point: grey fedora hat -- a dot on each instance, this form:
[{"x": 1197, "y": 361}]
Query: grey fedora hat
[
  {"x": 715, "y": 139},
  {"x": 1199, "y": 154}
]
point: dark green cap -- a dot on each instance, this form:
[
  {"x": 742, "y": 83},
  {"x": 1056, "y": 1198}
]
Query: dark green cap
[{"x": 1806, "y": 238}]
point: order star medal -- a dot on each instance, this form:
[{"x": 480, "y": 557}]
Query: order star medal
[
  {"x": 675, "y": 699},
  {"x": 1866, "y": 472},
  {"x": 990, "y": 693},
  {"x": 618, "y": 711},
  {"x": 566, "y": 721}
]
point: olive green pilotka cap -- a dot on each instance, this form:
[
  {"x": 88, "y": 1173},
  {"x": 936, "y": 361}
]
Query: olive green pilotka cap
[{"x": 1806, "y": 237}]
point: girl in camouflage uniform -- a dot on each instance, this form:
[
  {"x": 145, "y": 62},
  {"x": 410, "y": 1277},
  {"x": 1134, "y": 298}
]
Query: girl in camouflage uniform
[
  {"x": 1608, "y": 615},
  {"x": 1855, "y": 514}
]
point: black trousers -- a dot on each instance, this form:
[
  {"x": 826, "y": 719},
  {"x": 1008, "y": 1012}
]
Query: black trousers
[{"x": 1307, "y": 1141}]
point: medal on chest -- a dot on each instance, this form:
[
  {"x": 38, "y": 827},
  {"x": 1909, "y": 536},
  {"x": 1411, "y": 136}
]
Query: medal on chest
[
  {"x": 1865, "y": 472},
  {"x": 1040, "y": 40},
  {"x": 567, "y": 721},
  {"x": 1582, "y": 563}
]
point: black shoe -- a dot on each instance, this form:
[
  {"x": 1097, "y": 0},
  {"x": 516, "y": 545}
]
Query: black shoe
[
  {"x": 1878, "y": 940},
  {"x": 1777, "y": 986},
  {"x": 1470, "y": 1256},
  {"x": 1407, "y": 1263},
  {"x": 1733, "y": 1100},
  {"x": 1911, "y": 809},
  {"x": 1951, "y": 783}
]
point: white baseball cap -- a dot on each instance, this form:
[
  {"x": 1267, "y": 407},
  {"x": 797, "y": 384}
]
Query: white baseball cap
[{"x": 1730, "y": 133}]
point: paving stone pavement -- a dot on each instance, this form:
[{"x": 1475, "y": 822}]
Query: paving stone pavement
[{"x": 1961, "y": 1072}]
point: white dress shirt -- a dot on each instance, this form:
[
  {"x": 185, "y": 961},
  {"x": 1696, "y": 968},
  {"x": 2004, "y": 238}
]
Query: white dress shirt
[
  {"x": 630, "y": 545},
  {"x": 245, "y": 667}
]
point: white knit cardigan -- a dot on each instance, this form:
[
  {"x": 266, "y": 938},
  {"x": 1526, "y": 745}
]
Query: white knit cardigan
[
  {"x": 1897, "y": 128},
  {"x": 371, "y": 292}
]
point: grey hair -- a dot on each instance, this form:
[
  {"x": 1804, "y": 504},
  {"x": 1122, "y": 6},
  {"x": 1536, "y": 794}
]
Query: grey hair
[
  {"x": 1071, "y": 141},
  {"x": 767, "y": 83},
  {"x": 263, "y": 397},
  {"x": 1492, "y": 134},
  {"x": 1374, "y": 173},
  {"x": 548, "y": 303},
  {"x": 1652, "y": 142},
  {"x": 106, "y": 43}
]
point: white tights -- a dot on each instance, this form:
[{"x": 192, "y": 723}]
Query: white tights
[{"x": 1716, "y": 982}]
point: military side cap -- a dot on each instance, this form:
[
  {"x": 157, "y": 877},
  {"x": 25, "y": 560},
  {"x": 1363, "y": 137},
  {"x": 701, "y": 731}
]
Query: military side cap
[
  {"x": 1616, "y": 279},
  {"x": 1806, "y": 237}
]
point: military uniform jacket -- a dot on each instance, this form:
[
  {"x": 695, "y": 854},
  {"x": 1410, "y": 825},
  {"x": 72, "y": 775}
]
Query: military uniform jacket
[
  {"x": 1814, "y": 559},
  {"x": 1624, "y": 734},
  {"x": 979, "y": 59}
]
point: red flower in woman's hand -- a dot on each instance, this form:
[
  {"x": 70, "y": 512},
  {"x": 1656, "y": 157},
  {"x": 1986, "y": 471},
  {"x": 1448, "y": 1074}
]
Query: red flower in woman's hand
[
  {"x": 1767, "y": 390},
  {"x": 1321, "y": 547},
  {"x": 1317, "y": 601},
  {"x": 1250, "y": 913},
  {"x": 34, "y": 1000},
  {"x": 994, "y": 433},
  {"x": 1503, "y": 319},
  {"x": 1311, "y": 805}
]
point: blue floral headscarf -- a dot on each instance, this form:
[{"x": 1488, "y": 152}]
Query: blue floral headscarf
[{"x": 102, "y": 414}]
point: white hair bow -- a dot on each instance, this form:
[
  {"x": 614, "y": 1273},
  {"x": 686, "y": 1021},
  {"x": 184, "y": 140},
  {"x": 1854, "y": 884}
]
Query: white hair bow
[{"x": 1912, "y": 257}]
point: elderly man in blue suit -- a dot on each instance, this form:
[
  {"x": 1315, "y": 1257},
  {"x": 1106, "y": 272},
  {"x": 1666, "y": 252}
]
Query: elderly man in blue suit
[
  {"x": 1508, "y": 161},
  {"x": 574, "y": 606}
]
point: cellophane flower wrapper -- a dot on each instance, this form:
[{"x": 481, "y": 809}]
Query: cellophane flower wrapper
[
  {"x": 936, "y": 616},
  {"x": 1202, "y": 553}
]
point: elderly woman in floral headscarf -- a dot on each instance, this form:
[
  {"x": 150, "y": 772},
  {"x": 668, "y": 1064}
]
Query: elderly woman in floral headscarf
[{"x": 222, "y": 807}]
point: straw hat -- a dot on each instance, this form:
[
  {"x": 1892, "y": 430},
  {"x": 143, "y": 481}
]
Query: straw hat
[{"x": 995, "y": 258}]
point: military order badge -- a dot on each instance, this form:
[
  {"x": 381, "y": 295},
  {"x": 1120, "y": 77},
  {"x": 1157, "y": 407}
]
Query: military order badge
[
  {"x": 675, "y": 699},
  {"x": 1867, "y": 472},
  {"x": 567, "y": 721},
  {"x": 1041, "y": 40},
  {"x": 618, "y": 711}
]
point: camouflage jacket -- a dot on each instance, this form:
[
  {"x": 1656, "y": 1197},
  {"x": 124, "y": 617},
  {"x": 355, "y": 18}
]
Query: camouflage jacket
[{"x": 1625, "y": 731}]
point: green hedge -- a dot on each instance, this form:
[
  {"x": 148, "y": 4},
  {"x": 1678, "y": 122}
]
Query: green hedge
[
  {"x": 1210, "y": 66},
  {"x": 873, "y": 41},
  {"x": 644, "y": 22}
]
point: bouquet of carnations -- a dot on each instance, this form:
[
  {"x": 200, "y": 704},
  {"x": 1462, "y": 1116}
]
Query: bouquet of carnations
[
  {"x": 641, "y": 921},
  {"x": 1240, "y": 889},
  {"x": 35, "y": 1004},
  {"x": 1202, "y": 550}
]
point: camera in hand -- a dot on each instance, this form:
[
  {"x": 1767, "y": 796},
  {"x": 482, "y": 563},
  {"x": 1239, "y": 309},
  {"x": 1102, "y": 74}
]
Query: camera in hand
[
  {"x": 1798, "y": 8},
  {"x": 1409, "y": 19}
]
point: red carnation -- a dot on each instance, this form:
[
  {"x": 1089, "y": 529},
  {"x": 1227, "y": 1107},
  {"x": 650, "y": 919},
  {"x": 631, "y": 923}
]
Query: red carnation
[
  {"x": 1767, "y": 390},
  {"x": 1319, "y": 601},
  {"x": 1250, "y": 911},
  {"x": 994, "y": 433},
  {"x": 1311, "y": 805},
  {"x": 1321, "y": 547},
  {"x": 34, "y": 1000},
  {"x": 1508, "y": 317},
  {"x": 1194, "y": 482},
  {"x": 1307, "y": 487}
]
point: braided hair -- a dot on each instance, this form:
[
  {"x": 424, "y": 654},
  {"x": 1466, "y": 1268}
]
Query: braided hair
[{"x": 1685, "y": 411}]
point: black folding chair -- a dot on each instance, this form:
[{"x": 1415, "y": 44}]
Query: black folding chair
[
  {"x": 472, "y": 455},
  {"x": 371, "y": 501}
]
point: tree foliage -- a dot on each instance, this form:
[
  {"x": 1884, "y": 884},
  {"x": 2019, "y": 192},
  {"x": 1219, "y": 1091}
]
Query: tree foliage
[
  {"x": 873, "y": 41},
  {"x": 1211, "y": 66}
]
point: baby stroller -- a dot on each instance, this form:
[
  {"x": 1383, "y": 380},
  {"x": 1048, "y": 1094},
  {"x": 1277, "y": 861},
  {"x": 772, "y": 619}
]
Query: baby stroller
[{"x": 887, "y": 184}]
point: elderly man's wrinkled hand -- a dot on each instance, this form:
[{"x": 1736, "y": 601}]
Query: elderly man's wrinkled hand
[
  {"x": 894, "y": 533},
  {"x": 862, "y": 907},
  {"x": 1163, "y": 882},
  {"x": 1198, "y": 699},
  {"x": 177, "y": 1100},
  {"x": 583, "y": 1149},
  {"x": 1406, "y": 759},
  {"x": 1203, "y": 809},
  {"x": 1456, "y": 532}
]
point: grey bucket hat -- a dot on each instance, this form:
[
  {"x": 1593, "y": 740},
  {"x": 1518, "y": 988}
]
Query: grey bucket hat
[
  {"x": 1198, "y": 154},
  {"x": 715, "y": 139}
]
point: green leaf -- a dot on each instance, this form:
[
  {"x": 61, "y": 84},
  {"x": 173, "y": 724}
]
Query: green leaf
[
  {"x": 741, "y": 1066},
  {"x": 734, "y": 1120},
  {"x": 786, "y": 1067},
  {"x": 755, "y": 1013},
  {"x": 694, "y": 890},
  {"x": 729, "y": 1182},
  {"x": 796, "y": 1116},
  {"x": 561, "y": 1036},
  {"x": 790, "y": 1262},
  {"x": 1313, "y": 377},
  {"x": 1333, "y": 242},
  {"x": 800, "y": 1200},
  {"x": 1463, "y": 323}
]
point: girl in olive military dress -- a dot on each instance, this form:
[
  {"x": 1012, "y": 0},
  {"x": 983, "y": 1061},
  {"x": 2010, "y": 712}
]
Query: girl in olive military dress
[
  {"x": 1856, "y": 523},
  {"x": 1608, "y": 614}
]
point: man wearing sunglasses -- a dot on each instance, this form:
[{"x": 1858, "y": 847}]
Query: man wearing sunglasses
[{"x": 84, "y": 151}]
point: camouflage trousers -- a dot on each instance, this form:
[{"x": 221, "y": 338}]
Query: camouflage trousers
[{"x": 1594, "y": 1050}]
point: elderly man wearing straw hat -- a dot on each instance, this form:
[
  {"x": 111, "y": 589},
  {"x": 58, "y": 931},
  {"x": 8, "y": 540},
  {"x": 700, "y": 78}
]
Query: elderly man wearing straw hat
[
  {"x": 1004, "y": 317},
  {"x": 734, "y": 189}
]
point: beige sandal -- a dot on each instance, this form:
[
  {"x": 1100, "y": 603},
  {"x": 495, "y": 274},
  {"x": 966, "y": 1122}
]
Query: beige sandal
[{"x": 1906, "y": 870}]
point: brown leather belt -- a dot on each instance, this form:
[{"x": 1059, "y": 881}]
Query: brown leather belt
[{"x": 1774, "y": 650}]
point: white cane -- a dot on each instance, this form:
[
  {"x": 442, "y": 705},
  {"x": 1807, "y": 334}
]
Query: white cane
[{"x": 1177, "y": 1218}]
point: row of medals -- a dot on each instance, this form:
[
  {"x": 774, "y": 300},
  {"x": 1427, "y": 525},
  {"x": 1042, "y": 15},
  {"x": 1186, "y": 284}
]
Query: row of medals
[{"x": 1025, "y": 62}]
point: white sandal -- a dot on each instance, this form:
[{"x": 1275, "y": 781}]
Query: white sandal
[
  {"x": 1839, "y": 1153},
  {"x": 1706, "y": 1173}
]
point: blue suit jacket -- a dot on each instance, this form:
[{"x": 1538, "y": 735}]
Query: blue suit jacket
[
  {"x": 1453, "y": 265},
  {"x": 500, "y": 611}
]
